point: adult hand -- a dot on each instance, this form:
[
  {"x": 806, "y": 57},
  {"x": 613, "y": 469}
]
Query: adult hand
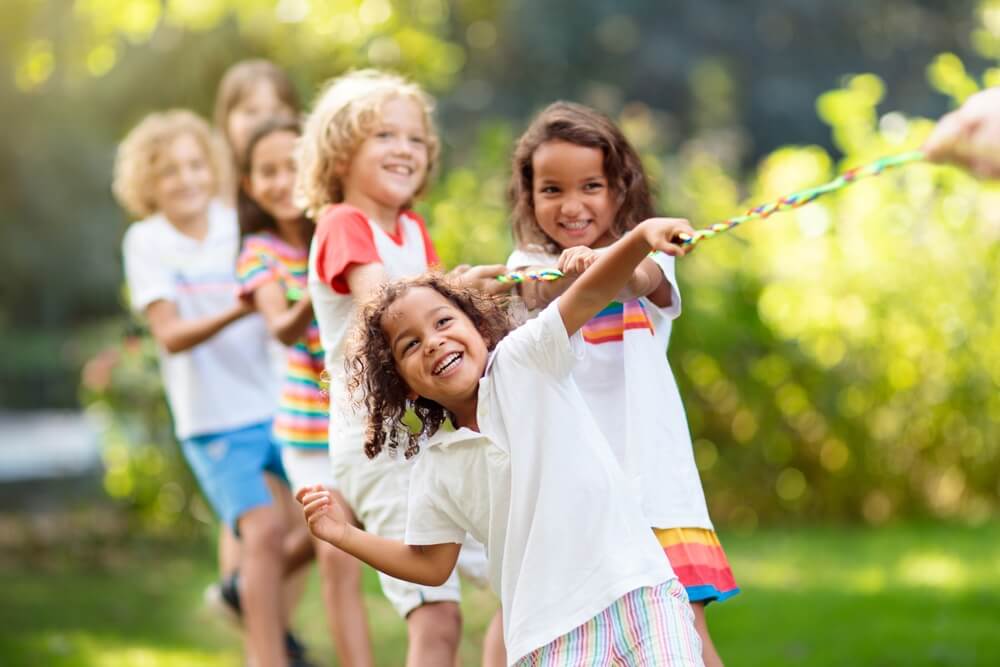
[{"x": 970, "y": 135}]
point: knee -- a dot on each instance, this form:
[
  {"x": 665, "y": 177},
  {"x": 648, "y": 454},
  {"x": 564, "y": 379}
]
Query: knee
[
  {"x": 262, "y": 530},
  {"x": 436, "y": 623}
]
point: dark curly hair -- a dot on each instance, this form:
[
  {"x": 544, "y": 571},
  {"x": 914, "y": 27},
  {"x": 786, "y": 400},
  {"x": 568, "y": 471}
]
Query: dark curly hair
[
  {"x": 374, "y": 383},
  {"x": 583, "y": 126}
]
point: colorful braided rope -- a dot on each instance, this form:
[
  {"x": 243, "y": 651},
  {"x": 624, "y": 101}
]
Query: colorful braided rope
[
  {"x": 522, "y": 276},
  {"x": 762, "y": 211},
  {"x": 804, "y": 197}
]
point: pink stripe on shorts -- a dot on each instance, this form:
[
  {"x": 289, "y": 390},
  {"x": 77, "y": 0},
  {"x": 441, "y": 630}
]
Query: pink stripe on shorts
[{"x": 649, "y": 627}]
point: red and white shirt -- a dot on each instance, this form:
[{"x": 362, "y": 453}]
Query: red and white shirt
[{"x": 346, "y": 238}]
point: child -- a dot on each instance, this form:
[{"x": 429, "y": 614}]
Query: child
[
  {"x": 365, "y": 155},
  {"x": 272, "y": 271},
  {"x": 179, "y": 263},
  {"x": 250, "y": 93},
  {"x": 581, "y": 578},
  {"x": 577, "y": 185}
]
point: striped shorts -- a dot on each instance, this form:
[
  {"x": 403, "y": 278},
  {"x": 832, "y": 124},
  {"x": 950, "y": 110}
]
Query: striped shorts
[{"x": 649, "y": 627}]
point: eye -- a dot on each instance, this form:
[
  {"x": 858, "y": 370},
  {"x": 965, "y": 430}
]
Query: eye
[
  {"x": 442, "y": 321},
  {"x": 549, "y": 190},
  {"x": 418, "y": 140},
  {"x": 593, "y": 186},
  {"x": 408, "y": 346},
  {"x": 383, "y": 134}
]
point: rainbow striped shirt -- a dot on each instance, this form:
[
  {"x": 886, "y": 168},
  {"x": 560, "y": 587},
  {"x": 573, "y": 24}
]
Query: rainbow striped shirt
[{"x": 302, "y": 419}]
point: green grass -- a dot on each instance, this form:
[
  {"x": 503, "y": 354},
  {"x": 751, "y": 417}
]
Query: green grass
[{"x": 907, "y": 595}]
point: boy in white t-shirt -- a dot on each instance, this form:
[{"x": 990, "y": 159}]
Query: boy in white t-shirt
[
  {"x": 367, "y": 149},
  {"x": 582, "y": 579},
  {"x": 180, "y": 265}
]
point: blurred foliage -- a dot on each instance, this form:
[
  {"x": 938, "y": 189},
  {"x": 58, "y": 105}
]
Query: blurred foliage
[{"x": 838, "y": 362}]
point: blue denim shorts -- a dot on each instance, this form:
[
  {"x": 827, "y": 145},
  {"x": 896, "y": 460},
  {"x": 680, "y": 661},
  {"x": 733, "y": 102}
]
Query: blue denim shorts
[{"x": 230, "y": 469}]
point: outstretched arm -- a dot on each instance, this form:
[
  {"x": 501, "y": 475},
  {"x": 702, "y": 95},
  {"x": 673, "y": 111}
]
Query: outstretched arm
[
  {"x": 613, "y": 269},
  {"x": 176, "y": 334},
  {"x": 970, "y": 135},
  {"x": 287, "y": 323},
  {"x": 429, "y": 565}
]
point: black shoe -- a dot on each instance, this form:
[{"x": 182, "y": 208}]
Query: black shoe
[
  {"x": 224, "y": 597},
  {"x": 296, "y": 651}
]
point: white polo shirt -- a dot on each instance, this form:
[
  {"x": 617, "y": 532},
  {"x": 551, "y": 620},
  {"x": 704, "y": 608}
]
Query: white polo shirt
[{"x": 540, "y": 488}]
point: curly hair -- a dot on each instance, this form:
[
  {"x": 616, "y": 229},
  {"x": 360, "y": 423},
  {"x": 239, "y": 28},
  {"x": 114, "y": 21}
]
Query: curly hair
[
  {"x": 343, "y": 117},
  {"x": 583, "y": 126},
  {"x": 374, "y": 382},
  {"x": 139, "y": 154}
]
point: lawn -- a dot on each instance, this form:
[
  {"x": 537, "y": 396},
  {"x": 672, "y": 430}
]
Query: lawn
[{"x": 907, "y": 595}]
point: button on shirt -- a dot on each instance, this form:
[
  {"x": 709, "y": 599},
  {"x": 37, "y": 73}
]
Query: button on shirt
[{"x": 541, "y": 489}]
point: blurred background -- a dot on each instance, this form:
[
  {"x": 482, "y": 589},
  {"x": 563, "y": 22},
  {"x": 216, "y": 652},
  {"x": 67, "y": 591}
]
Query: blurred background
[{"x": 840, "y": 364}]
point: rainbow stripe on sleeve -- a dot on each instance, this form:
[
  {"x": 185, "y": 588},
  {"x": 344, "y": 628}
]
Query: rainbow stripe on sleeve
[{"x": 609, "y": 325}]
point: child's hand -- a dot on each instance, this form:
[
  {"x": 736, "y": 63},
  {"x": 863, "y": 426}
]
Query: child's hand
[
  {"x": 663, "y": 234},
  {"x": 324, "y": 515},
  {"x": 484, "y": 278},
  {"x": 574, "y": 261}
]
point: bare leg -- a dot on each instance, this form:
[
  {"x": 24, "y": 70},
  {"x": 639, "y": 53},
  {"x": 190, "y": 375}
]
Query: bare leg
[
  {"x": 298, "y": 546},
  {"x": 494, "y": 651},
  {"x": 708, "y": 652},
  {"x": 262, "y": 530},
  {"x": 229, "y": 552},
  {"x": 340, "y": 575},
  {"x": 434, "y": 632}
]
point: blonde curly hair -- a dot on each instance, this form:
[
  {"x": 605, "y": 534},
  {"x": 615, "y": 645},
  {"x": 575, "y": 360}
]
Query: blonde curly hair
[
  {"x": 343, "y": 116},
  {"x": 139, "y": 154}
]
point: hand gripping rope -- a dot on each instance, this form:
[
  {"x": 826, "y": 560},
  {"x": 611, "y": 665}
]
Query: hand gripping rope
[{"x": 788, "y": 202}]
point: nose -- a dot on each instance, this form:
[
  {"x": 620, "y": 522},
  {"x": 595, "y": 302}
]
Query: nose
[
  {"x": 571, "y": 206},
  {"x": 433, "y": 343},
  {"x": 401, "y": 146}
]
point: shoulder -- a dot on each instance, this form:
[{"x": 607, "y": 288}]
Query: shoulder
[
  {"x": 142, "y": 233},
  {"x": 261, "y": 242},
  {"x": 341, "y": 214}
]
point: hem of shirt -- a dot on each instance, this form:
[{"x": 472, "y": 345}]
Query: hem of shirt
[
  {"x": 680, "y": 521},
  {"x": 581, "y": 616},
  {"x": 222, "y": 427}
]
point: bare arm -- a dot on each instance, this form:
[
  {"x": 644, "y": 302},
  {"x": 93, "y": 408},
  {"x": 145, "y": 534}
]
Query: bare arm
[
  {"x": 176, "y": 334},
  {"x": 646, "y": 281},
  {"x": 611, "y": 271},
  {"x": 287, "y": 323},
  {"x": 364, "y": 279},
  {"x": 429, "y": 565}
]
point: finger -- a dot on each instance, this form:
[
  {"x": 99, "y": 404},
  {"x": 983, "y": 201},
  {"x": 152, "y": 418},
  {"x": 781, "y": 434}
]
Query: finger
[
  {"x": 305, "y": 490},
  {"x": 944, "y": 139},
  {"x": 316, "y": 507}
]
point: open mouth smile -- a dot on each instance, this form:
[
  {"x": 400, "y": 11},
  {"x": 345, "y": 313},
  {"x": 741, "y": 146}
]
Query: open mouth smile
[{"x": 447, "y": 363}]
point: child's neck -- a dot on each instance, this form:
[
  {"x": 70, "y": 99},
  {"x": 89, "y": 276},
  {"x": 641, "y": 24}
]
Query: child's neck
[
  {"x": 195, "y": 227},
  {"x": 385, "y": 217},
  {"x": 465, "y": 412},
  {"x": 290, "y": 231}
]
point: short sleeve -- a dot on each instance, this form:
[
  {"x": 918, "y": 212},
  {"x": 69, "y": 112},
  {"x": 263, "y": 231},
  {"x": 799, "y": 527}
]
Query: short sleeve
[
  {"x": 430, "y": 254},
  {"x": 541, "y": 343},
  {"x": 426, "y": 521},
  {"x": 667, "y": 266},
  {"x": 520, "y": 259},
  {"x": 343, "y": 239},
  {"x": 148, "y": 279},
  {"x": 257, "y": 265}
]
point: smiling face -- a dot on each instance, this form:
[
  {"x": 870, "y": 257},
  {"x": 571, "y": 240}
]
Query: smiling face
[
  {"x": 390, "y": 165},
  {"x": 573, "y": 202},
  {"x": 184, "y": 182},
  {"x": 272, "y": 175},
  {"x": 259, "y": 104},
  {"x": 438, "y": 351}
]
